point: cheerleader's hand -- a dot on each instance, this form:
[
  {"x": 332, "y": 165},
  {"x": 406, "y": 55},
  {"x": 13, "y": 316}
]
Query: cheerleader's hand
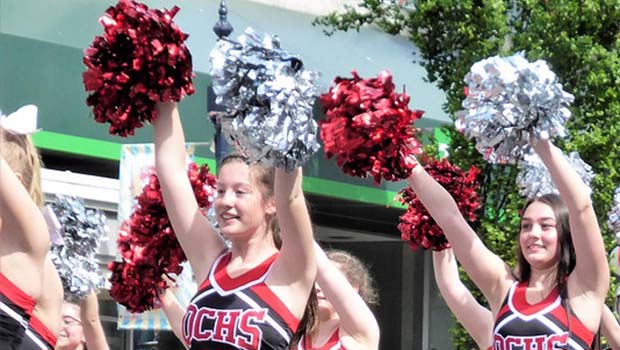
[
  {"x": 541, "y": 143},
  {"x": 165, "y": 294},
  {"x": 410, "y": 160}
]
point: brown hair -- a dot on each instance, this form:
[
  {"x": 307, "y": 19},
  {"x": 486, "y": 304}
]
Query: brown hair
[
  {"x": 264, "y": 178},
  {"x": 566, "y": 263},
  {"x": 21, "y": 155},
  {"x": 356, "y": 273},
  {"x": 567, "y": 260}
]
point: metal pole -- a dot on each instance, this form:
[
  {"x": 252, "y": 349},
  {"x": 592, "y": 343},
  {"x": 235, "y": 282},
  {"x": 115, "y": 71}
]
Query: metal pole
[
  {"x": 221, "y": 146},
  {"x": 222, "y": 29}
]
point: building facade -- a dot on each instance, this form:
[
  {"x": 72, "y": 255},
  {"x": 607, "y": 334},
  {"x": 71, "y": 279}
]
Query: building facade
[{"x": 41, "y": 50}]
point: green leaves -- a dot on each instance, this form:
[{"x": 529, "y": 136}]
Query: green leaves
[{"x": 580, "y": 39}]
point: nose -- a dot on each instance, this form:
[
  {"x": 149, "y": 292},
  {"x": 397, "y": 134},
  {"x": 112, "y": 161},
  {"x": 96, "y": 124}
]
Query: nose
[
  {"x": 535, "y": 231},
  {"x": 225, "y": 198},
  {"x": 317, "y": 289}
]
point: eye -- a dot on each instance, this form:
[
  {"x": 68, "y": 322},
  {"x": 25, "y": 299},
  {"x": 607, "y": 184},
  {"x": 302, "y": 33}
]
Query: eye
[
  {"x": 547, "y": 226},
  {"x": 243, "y": 190},
  {"x": 525, "y": 226}
]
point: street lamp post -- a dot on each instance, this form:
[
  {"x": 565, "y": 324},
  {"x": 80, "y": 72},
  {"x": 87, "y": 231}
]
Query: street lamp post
[{"x": 222, "y": 29}]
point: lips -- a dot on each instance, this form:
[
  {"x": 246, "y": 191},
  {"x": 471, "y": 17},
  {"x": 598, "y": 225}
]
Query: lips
[
  {"x": 229, "y": 217},
  {"x": 535, "y": 247}
]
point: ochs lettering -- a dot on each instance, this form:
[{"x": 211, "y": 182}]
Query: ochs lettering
[
  {"x": 235, "y": 327},
  {"x": 538, "y": 342}
]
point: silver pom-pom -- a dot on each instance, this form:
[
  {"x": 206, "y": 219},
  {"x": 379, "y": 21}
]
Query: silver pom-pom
[
  {"x": 613, "y": 217},
  {"x": 268, "y": 96},
  {"x": 508, "y": 101},
  {"x": 534, "y": 178},
  {"x": 82, "y": 231}
]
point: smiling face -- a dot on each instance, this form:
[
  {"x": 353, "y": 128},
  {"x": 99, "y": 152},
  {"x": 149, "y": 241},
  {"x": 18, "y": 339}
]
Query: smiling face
[
  {"x": 240, "y": 206},
  {"x": 71, "y": 335},
  {"x": 538, "y": 238}
]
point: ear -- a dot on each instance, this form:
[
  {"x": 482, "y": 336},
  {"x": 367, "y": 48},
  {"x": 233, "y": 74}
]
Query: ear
[
  {"x": 20, "y": 177},
  {"x": 270, "y": 207}
]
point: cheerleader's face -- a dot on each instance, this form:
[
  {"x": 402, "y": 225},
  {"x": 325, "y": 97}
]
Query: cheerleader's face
[
  {"x": 239, "y": 205},
  {"x": 71, "y": 335},
  {"x": 326, "y": 309},
  {"x": 538, "y": 238}
]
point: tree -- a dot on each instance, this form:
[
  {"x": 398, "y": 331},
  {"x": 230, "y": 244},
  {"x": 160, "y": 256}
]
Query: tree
[{"x": 580, "y": 39}]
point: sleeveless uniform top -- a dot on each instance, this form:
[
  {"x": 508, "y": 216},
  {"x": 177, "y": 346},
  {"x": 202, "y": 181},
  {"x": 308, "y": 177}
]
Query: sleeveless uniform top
[
  {"x": 15, "y": 311},
  {"x": 41, "y": 335},
  {"x": 542, "y": 326},
  {"x": 238, "y": 313},
  {"x": 333, "y": 343}
]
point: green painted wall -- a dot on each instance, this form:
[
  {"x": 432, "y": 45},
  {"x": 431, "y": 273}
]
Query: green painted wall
[
  {"x": 74, "y": 23},
  {"x": 41, "y": 47},
  {"x": 49, "y": 76}
]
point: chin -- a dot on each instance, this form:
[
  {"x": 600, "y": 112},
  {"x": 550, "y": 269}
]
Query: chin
[
  {"x": 325, "y": 307},
  {"x": 542, "y": 264}
]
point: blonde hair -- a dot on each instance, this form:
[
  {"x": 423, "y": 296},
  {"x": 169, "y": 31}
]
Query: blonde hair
[
  {"x": 21, "y": 155},
  {"x": 356, "y": 273}
]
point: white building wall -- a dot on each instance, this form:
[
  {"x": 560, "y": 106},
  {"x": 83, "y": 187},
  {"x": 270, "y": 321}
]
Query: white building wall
[
  {"x": 96, "y": 191},
  {"x": 314, "y": 7}
]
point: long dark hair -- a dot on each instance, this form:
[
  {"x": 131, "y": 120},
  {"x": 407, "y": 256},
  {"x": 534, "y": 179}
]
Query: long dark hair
[
  {"x": 566, "y": 264},
  {"x": 567, "y": 260},
  {"x": 264, "y": 178}
]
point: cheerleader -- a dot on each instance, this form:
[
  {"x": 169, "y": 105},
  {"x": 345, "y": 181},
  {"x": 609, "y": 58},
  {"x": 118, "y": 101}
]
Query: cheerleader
[
  {"x": 344, "y": 289},
  {"x": 251, "y": 295},
  {"x": 24, "y": 240},
  {"x": 556, "y": 298}
]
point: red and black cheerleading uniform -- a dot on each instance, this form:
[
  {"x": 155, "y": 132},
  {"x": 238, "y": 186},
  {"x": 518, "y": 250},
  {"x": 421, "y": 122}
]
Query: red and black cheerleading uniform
[
  {"x": 15, "y": 316},
  {"x": 333, "y": 343},
  {"x": 238, "y": 313},
  {"x": 542, "y": 326},
  {"x": 41, "y": 335}
]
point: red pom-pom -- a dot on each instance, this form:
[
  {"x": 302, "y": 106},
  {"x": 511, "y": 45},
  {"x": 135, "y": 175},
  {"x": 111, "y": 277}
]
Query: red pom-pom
[
  {"x": 140, "y": 59},
  {"x": 416, "y": 225},
  {"x": 369, "y": 127},
  {"x": 148, "y": 245}
]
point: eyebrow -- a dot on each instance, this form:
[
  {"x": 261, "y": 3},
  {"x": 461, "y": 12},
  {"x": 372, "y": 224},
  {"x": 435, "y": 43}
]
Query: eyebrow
[
  {"x": 234, "y": 185},
  {"x": 541, "y": 219}
]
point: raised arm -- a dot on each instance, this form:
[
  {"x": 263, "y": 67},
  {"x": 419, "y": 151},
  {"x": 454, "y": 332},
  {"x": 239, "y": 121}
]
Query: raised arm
[
  {"x": 296, "y": 265},
  {"x": 358, "y": 326},
  {"x": 477, "y": 320},
  {"x": 174, "y": 312},
  {"x": 91, "y": 324},
  {"x": 198, "y": 239},
  {"x": 22, "y": 226},
  {"x": 486, "y": 269},
  {"x": 610, "y": 328},
  {"x": 591, "y": 270}
]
